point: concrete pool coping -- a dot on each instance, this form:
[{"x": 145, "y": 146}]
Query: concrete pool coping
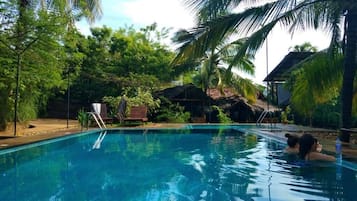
[{"x": 45, "y": 129}]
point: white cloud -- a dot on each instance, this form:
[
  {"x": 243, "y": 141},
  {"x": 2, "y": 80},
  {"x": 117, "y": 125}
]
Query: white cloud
[{"x": 166, "y": 13}]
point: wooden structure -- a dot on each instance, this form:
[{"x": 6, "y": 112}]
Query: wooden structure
[
  {"x": 280, "y": 74},
  {"x": 193, "y": 99},
  {"x": 137, "y": 113}
]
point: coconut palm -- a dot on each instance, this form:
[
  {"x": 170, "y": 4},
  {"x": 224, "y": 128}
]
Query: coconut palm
[
  {"x": 305, "y": 47},
  {"x": 317, "y": 80},
  {"x": 213, "y": 63},
  {"x": 259, "y": 18}
]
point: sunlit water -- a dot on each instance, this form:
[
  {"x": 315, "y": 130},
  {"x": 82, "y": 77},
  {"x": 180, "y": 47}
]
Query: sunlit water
[{"x": 177, "y": 165}]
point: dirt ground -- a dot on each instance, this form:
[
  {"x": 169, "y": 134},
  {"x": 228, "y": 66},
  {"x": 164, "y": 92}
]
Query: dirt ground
[{"x": 39, "y": 126}]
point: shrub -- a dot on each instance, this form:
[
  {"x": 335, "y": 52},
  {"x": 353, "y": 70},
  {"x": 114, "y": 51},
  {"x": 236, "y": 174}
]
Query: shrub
[
  {"x": 222, "y": 117},
  {"x": 83, "y": 118},
  {"x": 171, "y": 113}
]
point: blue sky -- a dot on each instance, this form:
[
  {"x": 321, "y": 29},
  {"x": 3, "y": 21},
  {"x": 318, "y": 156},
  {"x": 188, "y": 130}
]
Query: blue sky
[
  {"x": 172, "y": 14},
  {"x": 140, "y": 13}
]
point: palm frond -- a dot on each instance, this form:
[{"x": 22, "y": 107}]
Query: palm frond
[
  {"x": 206, "y": 10},
  {"x": 194, "y": 44},
  {"x": 209, "y": 34},
  {"x": 313, "y": 15},
  {"x": 253, "y": 44},
  {"x": 302, "y": 98},
  {"x": 245, "y": 87},
  {"x": 318, "y": 80}
]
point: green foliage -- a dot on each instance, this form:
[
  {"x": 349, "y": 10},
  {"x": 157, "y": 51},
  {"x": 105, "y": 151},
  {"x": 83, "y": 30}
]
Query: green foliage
[
  {"x": 115, "y": 60},
  {"x": 30, "y": 48},
  {"x": 317, "y": 81},
  {"x": 245, "y": 87},
  {"x": 171, "y": 113},
  {"x": 219, "y": 21},
  {"x": 133, "y": 97},
  {"x": 83, "y": 118},
  {"x": 285, "y": 115},
  {"x": 113, "y": 103},
  {"x": 142, "y": 81},
  {"x": 222, "y": 117},
  {"x": 305, "y": 47},
  {"x": 327, "y": 115},
  {"x": 31, "y": 43},
  {"x": 212, "y": 71},
  {"x": 142, "y": 97}
]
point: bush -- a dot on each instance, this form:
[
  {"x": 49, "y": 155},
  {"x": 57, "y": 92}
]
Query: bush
[
  {"x": 171, "y": 113},
  {"x": 222, "y": 117},
  {"x": 141, "y": 97},
  {"x": 83, "y": 118}
]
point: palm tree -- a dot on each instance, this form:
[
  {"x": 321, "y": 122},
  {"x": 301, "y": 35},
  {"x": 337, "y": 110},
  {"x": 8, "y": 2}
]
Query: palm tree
[
  {"x": 305, "y": 47},
  {"x": 261, "y": 17},
  {"x": 213, "y": 63},
  {"x": 316, "y": 81}
]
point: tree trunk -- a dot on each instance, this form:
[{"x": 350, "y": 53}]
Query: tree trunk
[
  {"x": 350, "y": 64},
  {"x": 4, "y": 109}
]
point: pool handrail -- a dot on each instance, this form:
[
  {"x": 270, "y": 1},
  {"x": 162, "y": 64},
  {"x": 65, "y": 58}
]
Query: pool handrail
[{"x": 98, "y": 119}]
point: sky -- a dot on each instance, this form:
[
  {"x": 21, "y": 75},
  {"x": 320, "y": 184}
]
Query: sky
[{"x": 173, "y": 14}]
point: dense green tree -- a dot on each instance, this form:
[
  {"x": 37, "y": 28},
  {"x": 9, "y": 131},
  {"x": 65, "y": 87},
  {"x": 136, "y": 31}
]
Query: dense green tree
[
  {"x": 30, "y": 34},
  {"x": 115, "y": 60},
  {"x": 30, "y": 44},
  {"x": 260, "y": 17},
  {"x": 76, "y": 9}
]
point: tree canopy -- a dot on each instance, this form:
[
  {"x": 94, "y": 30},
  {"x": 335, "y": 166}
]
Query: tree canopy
[
  {"x": 219, "y": 19},
  {"x": 114, "y": 60}
]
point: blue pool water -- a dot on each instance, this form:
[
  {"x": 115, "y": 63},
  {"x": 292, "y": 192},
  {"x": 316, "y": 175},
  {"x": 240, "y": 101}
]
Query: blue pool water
[{"x": 211, "y": 164}]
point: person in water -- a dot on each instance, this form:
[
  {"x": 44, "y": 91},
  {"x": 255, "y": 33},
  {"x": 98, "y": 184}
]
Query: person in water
[
  {"x": 293, "y": 144},
  {"x": 309, "y": 149}
]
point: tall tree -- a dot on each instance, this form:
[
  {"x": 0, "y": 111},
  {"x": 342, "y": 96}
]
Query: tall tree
[
  {"x": 31, "y": 23},
  {"x": 76, "y": 9},
  {"x": 315, "y": 81},
  {"x": 214, "y": 63},
  {"x": 114, "y": 60},
  {"x": 259, "y": 18}
]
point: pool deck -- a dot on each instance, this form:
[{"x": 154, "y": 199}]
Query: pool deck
[{"x": 43, "y": 129}]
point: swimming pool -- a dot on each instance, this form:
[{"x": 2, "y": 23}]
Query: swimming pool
[{"x": 196, "y": 163}]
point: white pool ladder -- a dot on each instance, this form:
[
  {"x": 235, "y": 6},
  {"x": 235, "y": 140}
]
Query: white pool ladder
[
  {"x": 98, "y": 119},
  {"x": 261, "y": 117},
  {"x": 99, "y": 140}
]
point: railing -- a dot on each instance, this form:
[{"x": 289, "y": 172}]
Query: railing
[
  {"x": 99, "y": 140},
  {"x": 261, "y": 117},
  {"x": 98, "y": 119}
]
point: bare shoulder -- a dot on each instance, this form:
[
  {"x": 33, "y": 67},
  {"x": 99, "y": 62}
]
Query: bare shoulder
[
  {"x": 321, "y": 157},
  {"x": 291, "y": 150}
]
